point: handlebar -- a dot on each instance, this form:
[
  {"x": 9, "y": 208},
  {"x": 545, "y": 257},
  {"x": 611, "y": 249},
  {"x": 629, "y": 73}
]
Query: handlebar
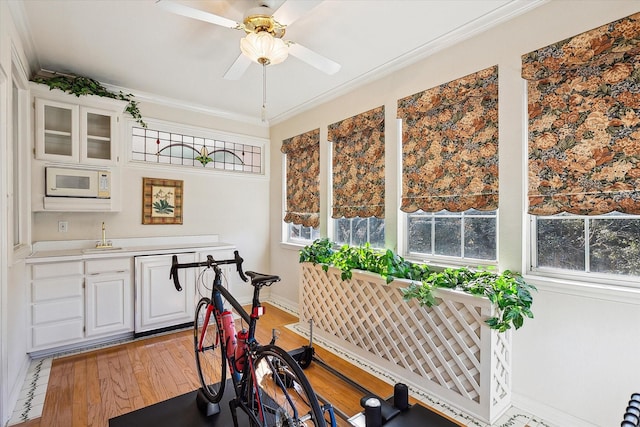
[{"x": 209, "y": 263}]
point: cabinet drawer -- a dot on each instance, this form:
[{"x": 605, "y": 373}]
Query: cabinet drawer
[
  {"x": 59, "y": 310},
  {"x": 108, "y": 265},
  {"x": 58, "y": 334},
  {"x": 58, "y": 269},
  {"x": 64, "y": 287}
]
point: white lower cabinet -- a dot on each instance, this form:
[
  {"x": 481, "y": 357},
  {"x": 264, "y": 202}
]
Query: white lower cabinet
[
  {"x": 76, "y": 301},
  {"x": 109, "y": 297},
  {"x": 158, "y": 303},
  {"x": 97, "y": 299},
  {"x": 57, "y": 304}
]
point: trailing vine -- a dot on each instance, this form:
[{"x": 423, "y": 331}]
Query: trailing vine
[
  {"x": 507, "y": 291},
  {"x": 79, "y": 85}
]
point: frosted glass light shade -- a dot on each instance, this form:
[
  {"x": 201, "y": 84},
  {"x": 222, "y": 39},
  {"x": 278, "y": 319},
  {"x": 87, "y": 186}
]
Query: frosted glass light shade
[{"x": 262, "y": 47}]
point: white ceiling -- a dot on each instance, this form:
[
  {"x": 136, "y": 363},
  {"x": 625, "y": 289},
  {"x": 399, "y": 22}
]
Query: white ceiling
[{"x": 148, "y": 51}]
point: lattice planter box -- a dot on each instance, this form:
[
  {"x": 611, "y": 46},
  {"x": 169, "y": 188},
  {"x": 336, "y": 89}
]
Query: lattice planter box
[{"x": 446, "y": 351}]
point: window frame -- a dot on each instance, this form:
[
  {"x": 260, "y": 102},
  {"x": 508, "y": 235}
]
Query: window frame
[
  {"x": 18, "y": 150},
  {"x": 444, "y": 260},
  {"x": 368, "y": 240},
  {"x": 301, "y": 242},
  {"x": 286, "y": 227},
  {"x": 620, "y": 281},
  {"x": 197, "y": 132}
]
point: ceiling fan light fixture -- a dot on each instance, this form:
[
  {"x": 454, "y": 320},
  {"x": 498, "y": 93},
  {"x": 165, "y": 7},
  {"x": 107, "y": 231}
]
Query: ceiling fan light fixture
[{"x": 264, "y": 48}]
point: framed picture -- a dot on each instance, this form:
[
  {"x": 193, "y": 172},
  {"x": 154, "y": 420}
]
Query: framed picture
[{"x": 162, "y": 201}]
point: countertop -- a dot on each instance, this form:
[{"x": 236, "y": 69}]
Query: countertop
[{"x": 73, "y": 250}]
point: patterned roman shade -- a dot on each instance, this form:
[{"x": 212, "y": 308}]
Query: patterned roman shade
[
  {"x": 584, "y": 122},
  {"x": 358, "y": 165},
  {"x": 303, "y": 178},
  {"x": 450, "y": 145}
]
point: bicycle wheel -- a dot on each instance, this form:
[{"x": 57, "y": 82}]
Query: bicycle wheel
[
  {"x": 284, "y": 396},
  {"x": 210, "y": 354}
]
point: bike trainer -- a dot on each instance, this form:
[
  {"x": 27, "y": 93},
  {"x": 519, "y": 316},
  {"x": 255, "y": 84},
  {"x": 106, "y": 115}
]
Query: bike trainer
[{"x": 394, "y": 411}]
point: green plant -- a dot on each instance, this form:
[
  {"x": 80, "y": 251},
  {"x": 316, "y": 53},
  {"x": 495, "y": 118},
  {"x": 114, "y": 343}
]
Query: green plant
[
  {"x": 385, "y": 263},
  {"x": 78, "y": 85},
  {"x": 320, "y": 252},
  {"x": 508, "y": 291}
]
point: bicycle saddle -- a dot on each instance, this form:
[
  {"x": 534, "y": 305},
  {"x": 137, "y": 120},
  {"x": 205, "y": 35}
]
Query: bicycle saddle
[{"x": 259, "y": 279}]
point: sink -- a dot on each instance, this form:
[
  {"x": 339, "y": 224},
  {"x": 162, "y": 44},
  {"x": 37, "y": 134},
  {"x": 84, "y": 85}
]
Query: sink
[{"x": 98, "y": 250}]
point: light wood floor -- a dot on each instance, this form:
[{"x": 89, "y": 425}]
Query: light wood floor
[{"x": 90, "y": 388}]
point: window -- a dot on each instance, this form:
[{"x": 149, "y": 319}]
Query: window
[
  {"x": 358, "y": 192},
  {"x": 450, "y": 169},
  {"x": 15, "y": 166},
  {"x": 603, "y": 244},
  {"x": 302, "y": 186},
  {"x": 18, "y": 164},
  {"x": 358, "y": 231},
  {"x": 468, "y": 235},
  {"x": 177, "y": 148},
  {"x": 584, "y": 155},
  {"x": 297, "y": 233}
]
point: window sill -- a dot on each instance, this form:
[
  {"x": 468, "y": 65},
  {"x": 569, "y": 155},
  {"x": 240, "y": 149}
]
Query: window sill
[
  {"x": 293, "y": 246},
  {"x": 577, "y": 288}
]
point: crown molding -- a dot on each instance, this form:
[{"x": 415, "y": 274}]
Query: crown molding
[{"x": 466, "y": 31}]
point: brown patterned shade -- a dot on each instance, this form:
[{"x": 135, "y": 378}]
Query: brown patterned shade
[
  {"x": 303, "y": 179},
  {"x": 584, "y": 122},
  {"x": 450, "y": 145},
  {"x": 358, "y": 165}
]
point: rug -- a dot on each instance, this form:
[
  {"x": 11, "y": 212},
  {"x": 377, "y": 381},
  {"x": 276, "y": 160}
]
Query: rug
[{"x": 181, "y": 411}]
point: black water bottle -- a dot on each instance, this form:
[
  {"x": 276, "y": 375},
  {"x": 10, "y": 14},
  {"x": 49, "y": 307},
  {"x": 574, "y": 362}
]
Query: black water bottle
[{"x": 372, "y": 413}]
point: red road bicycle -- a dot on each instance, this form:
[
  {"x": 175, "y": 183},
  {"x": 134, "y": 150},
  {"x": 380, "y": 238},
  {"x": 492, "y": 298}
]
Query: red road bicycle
[{"x": 269, "y": 385}]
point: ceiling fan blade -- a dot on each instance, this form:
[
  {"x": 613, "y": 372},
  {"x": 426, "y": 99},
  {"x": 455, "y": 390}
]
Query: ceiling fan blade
[
  {"x": 190, "y": 12},
  {"x": 314, "y": 59},
  {"x": 291, "y": 10},
  {"x": 238, "y": 68}
]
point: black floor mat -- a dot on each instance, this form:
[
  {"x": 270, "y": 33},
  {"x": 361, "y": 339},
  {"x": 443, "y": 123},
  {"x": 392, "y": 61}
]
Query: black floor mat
[
  {"x": 419, "y": 416},
  {"x": 181, "y": 411}
]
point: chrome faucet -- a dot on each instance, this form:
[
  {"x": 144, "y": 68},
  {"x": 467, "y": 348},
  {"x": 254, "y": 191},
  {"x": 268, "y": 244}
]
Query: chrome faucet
[{"x": 104, "y": 243}]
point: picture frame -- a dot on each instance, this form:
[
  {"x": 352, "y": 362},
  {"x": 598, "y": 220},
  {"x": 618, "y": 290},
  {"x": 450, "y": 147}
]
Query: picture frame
[{"x": 162, "y": 201}]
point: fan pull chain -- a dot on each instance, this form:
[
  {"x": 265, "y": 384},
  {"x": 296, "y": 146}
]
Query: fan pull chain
[{"x": 263, "y": 113}]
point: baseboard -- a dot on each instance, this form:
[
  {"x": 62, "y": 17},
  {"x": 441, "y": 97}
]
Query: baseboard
[
  {"x": 284, "y": 304},
  {"x": 551, "y": 415}
]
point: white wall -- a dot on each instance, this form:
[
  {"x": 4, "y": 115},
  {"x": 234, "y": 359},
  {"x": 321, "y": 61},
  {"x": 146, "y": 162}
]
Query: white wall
[
  {"x": 575, "y": 364},
  {"x": 232, "y": 205},
  {"x": 13, "y": 359}
]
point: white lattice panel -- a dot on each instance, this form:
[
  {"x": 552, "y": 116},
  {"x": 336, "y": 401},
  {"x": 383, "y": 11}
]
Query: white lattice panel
[{"x": 446, "y": 348}]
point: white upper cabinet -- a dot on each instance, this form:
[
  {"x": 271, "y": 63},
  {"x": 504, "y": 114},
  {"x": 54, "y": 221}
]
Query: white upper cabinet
[
  {"x": 79, "y": 130},
  {"x": 98, "y": 133},
  {"x": 56, "y": 130}
]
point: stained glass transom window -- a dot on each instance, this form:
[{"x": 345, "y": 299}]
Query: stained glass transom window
[{"x": 155, "y": 146}]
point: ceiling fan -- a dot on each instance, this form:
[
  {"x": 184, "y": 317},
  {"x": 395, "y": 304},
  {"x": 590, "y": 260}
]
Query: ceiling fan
[{"x": 264, "y": 28}]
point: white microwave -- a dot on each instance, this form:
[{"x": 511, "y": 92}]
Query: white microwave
[{"x": 67, "y": 182}]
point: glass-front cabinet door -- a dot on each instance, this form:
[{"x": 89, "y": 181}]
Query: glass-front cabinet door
[
  {"x": 71, "y": 133},
  {"x": 56, "y": 130},
  {"x": 97, "y": 133}
]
